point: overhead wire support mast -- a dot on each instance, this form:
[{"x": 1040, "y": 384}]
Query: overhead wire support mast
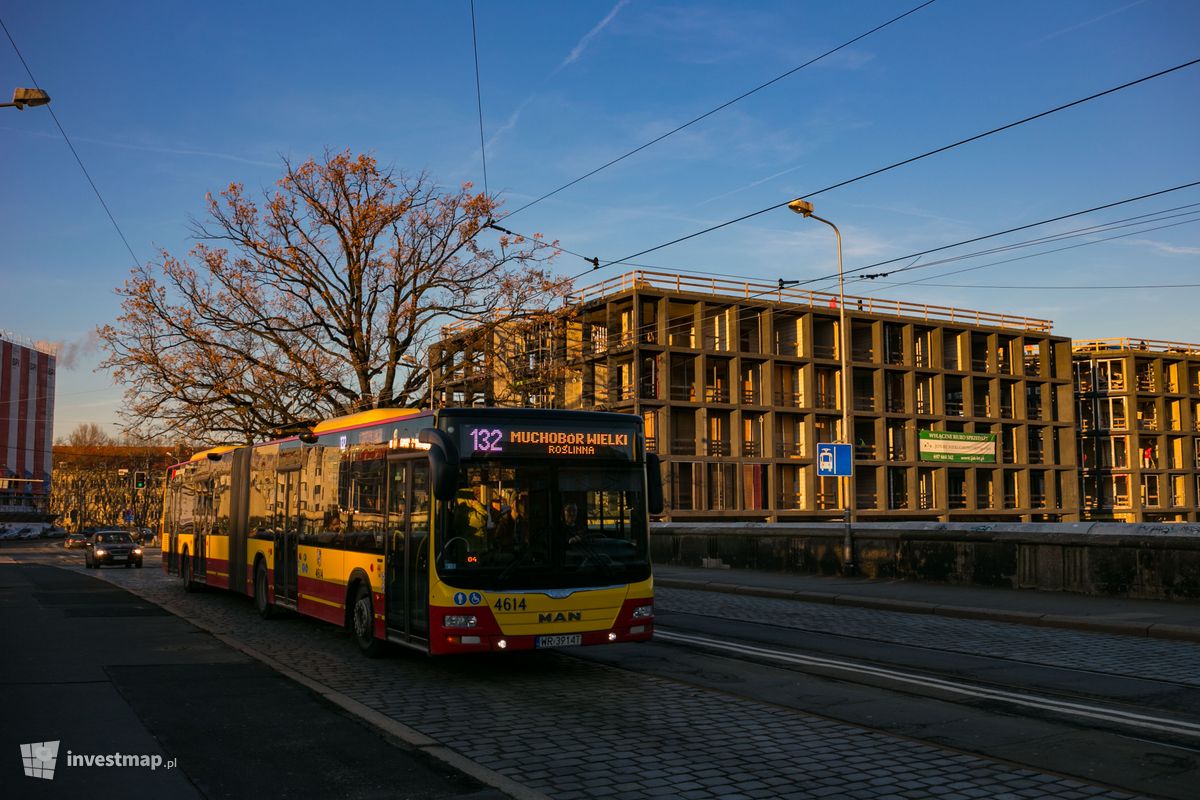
[
  {"x": 721, "y": 107},
  {"x": 911, "y": 160}
]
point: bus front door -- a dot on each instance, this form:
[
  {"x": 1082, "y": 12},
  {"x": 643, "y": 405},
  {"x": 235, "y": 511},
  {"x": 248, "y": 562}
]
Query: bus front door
[
  {"x": 407, "y": 575},
  {"x": 419, "y": 515},
  {"x": 397, "y": 531},
  {"x": 286, "y": 536}
]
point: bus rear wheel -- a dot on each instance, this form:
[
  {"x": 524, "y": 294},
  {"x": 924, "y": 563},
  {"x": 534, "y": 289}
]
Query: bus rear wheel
[
  {"x": 185, "y": 573},
  {"x": 362, "y": 623},
  {"x": 261, "y": 596}
]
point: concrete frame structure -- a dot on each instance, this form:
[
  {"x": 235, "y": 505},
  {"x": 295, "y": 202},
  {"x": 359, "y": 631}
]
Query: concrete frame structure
[
  {"x": 738, "y": 382},
  {"x": 1138, "y": 406}
]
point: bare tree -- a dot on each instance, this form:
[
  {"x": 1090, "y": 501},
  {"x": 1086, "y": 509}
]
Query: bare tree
[
  {"x": 87, "y": 434},
  {"x": 323, "y": 301}
]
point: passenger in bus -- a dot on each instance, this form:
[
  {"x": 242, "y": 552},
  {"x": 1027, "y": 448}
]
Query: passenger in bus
[
  {"x": 502, "y": 539},
  {"x": 494, "y": 513},
  {"x": 470, "y": 517},
  {"x": 333, "y": 528},
  {"x": 572, "y": 527},
  {"x": 513, "y": 528}
]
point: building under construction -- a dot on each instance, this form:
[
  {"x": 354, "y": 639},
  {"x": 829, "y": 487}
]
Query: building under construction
[
  {"x": 1139, "y": 429},
  {"x": 953, "y": 414}
]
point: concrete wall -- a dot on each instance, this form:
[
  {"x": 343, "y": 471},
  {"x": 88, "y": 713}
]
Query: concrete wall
[{"x": 1147, "y": 561}]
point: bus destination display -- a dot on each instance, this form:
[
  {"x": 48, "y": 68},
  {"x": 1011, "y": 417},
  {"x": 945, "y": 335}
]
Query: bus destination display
[{"x": 519, "y": 440}]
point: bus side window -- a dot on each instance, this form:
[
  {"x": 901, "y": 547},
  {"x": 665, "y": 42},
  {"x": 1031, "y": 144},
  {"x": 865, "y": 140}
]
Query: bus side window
[{"x": 418, "y": 505}]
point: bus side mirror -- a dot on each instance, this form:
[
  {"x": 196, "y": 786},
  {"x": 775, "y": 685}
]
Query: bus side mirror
[
  {"x": 654, "y": 492},
  {"x": 443, "y": 462}
]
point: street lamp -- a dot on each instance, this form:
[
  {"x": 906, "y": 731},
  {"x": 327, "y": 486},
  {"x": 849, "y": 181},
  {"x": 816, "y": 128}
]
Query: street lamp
[
  {"x": 27, "y": 97},
  {"x": 805, "y": 208},
  {"x": 412, "y": 362}
]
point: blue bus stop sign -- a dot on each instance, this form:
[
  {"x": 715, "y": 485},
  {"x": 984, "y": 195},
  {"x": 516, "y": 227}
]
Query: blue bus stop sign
[{"x": 834, "y": 460}]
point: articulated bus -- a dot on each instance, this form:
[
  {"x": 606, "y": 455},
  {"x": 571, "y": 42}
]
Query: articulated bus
[{"x": 452, "y": 531}]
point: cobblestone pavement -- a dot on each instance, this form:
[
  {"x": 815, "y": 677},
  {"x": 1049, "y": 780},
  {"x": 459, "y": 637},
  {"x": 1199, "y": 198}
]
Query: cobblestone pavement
[
  {"x": 1157, "y": 659},
  {"x": 574, "y": 729}
]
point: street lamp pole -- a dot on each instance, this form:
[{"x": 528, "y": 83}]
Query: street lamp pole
[
  {"x": 805, "y": 208},
  {"x": 412, "y": 362}
]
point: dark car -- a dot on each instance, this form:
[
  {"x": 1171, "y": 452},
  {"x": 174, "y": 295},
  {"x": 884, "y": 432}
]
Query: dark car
[
  {"x": 75, "y": 540},
  {"x": 112, "y": 547}
]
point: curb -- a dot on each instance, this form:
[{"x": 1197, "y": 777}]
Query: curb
[
  {"x": 379, "y": 721},
  {"x": 1144, "y": 630}
]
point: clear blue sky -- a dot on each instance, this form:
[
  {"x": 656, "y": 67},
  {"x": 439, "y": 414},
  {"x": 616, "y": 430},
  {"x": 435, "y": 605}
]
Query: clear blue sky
[{"x": 165, "y": 101}]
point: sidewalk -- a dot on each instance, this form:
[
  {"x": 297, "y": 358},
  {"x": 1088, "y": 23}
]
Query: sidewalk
[
  {"x": 1161, "y": 619},
  {"x": 116, "y": 681}
]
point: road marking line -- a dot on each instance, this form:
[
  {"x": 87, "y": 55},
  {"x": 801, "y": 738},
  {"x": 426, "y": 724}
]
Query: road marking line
[{"x": 1061, "y": 706}]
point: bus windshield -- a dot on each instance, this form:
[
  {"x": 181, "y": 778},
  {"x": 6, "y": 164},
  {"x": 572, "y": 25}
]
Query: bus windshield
[{"x": 542, "y": 527}]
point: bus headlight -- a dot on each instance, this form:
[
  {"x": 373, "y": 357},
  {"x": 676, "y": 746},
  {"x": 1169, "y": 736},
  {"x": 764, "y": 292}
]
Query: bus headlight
[
  {"x": 642, "y": 612},
  {"x": 460, "y": 621}
]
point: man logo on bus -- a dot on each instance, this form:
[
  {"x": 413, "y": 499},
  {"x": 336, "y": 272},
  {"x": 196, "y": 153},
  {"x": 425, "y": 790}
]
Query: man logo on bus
[{"x": 570, "y": 616}]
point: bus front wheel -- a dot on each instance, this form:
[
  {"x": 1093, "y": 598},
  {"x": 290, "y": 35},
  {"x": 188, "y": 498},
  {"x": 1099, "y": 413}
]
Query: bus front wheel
[
  {"x": 362, "y": 622},
  {"x": 261, "y": 598}
]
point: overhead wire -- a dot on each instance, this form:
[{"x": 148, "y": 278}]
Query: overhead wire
[
  {"x": 1140, "y": 219},
  {"x": 1137, "y": 219},
  {"x": 911, "y": 160},
  {"x": 721, "y": 107},
  {"x": 479, "y": 101},
  {"x": 974, "y": 239},
  {"x": 67, "y": 139},
  {"x": 1043, "y": 253}
]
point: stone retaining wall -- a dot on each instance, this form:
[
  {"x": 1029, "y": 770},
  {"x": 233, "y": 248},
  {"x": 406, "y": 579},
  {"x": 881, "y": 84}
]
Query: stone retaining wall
[{"x": 1147, "y": 561}]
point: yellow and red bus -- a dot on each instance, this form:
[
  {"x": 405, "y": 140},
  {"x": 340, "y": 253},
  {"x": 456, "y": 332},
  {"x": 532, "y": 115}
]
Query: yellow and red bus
[{"x": 452, "y": 531}]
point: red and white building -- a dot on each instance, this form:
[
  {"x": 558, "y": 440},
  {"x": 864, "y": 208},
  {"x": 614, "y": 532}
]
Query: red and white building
[{"x": 26, "y": 428}]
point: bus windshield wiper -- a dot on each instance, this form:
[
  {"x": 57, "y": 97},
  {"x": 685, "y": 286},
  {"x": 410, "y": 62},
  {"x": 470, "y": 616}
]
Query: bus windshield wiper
[
  {"x": 521, "y": 558},
  {"x": 599, "y": 559}
]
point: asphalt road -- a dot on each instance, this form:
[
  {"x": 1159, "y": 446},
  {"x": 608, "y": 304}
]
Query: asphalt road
[{"x": 102, "y": 672}]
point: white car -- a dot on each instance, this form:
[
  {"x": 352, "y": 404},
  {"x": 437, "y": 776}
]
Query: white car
[{"x": 29, "y": 533}]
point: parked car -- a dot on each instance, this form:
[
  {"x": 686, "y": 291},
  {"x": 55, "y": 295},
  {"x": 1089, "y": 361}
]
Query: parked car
[
  {"x": 53, "y": 532},
  {"x": 75, "y": 540},
  {"x": 111, "y": 547},
  {"x": 8, "y": 534},
  {"x": 28, "y": 533}
]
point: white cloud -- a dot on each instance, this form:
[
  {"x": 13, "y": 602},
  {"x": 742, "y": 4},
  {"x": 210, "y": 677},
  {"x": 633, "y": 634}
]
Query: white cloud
[
  {"x": 578, "y": 49},
  {"x": 1163, "y": 247},
  {"x": 146, "y": 148}
]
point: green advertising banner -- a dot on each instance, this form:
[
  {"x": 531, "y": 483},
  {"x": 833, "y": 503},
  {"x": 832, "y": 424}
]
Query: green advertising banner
[{"x": 976, "y": 448}]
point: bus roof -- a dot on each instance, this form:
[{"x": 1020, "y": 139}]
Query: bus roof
[
  {"x": 363, "y": 418},
  {"x": 518, "y": 413},
  {"x": 214, "y": 451}
]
